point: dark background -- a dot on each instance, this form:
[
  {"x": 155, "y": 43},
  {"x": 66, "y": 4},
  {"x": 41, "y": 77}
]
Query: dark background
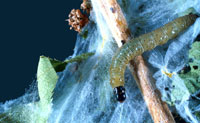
[{"x": 28, "y": 29}]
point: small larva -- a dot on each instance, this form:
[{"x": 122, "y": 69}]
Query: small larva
[{"x": 143, "y": 43}]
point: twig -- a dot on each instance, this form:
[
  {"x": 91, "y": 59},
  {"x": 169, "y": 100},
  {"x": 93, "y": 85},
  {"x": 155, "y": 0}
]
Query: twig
[{"x": 115, "y": 20}]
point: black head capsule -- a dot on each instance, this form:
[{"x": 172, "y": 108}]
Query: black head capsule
[{"x": 120, "y": 93}]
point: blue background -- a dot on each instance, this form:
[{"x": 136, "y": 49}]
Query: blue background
[{"x": 28, "y": 29}]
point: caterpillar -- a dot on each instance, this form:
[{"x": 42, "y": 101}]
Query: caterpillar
[{"x": 141, "y": 44}]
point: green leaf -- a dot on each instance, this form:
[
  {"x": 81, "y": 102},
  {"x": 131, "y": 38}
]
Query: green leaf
[
  {"x": 60, "y": 66},
  {"x": 191, "y": 80},
  {"x": 47, "y": 79}
]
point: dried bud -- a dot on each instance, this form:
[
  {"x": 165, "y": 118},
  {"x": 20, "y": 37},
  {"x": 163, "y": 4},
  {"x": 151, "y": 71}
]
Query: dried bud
[
  {"x": 86, "y": 6},
  {"x": 77, "y": 20}
]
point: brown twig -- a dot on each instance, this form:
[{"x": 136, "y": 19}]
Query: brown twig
[
  {"x": 118, "y": 26},
  {"x": 115, "y": 20},
  {"x": 157, "y": 108}
]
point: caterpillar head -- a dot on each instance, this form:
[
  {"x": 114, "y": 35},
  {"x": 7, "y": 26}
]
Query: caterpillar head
[{"x": 119, "y": 93}]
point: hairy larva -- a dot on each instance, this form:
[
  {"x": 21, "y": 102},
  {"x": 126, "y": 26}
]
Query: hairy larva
[{"x": 143, "y": 43}]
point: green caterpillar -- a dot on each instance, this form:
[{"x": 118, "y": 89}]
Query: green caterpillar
[{"x": 141, "y": 44}]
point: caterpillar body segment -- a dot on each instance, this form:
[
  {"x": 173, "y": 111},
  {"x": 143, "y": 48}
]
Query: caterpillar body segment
[{"x": 144, "y": 43}]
